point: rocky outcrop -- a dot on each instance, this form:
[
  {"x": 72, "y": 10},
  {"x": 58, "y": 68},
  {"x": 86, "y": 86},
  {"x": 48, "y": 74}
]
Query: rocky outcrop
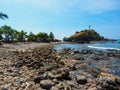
[
  {"x": 85, "y": 36},
  {"x": 43, "y": 68}
]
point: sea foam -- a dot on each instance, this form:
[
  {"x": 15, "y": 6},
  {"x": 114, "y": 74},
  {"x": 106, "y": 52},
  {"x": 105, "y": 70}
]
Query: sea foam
[{"x": 106, "y": 48}]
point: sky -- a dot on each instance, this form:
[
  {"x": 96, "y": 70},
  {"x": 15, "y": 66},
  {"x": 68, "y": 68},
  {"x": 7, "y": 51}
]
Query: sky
[{"x": 63, "y": 17}]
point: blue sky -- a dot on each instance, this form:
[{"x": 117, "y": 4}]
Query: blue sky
[{"x": 63, "y": 17}]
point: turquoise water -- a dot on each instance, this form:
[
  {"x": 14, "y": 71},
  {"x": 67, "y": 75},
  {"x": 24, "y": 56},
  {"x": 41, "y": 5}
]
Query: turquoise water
[{"x": 96, "y": 46}]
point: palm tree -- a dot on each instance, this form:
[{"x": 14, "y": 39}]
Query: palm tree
[
  {"x": 22, "y": 36},
  {"x": 3, "y": 16},
  {"x": 7, "y": 32}
]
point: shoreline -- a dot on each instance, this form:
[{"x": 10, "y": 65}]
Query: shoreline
[{"x": 42, "y": 67}]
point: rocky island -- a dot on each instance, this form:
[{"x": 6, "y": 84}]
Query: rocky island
[{"x": 86, "y": 36}]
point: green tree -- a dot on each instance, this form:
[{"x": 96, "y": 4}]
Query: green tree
[
  {"x": 22, "y": 36},
  {"x": 32, "y": 37},
  {"x": 3, "y": 16},
  {"x": 76, "y": 32},
  {"x": 1, "y": 32},
  {"x": 42, "y": 37},
  {"x": 51, "y": 36},
  {"x": 7, "y": 33}
]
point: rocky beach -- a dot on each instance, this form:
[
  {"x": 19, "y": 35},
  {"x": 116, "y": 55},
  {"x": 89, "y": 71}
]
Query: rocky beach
[{"x": 38, "y": 66}]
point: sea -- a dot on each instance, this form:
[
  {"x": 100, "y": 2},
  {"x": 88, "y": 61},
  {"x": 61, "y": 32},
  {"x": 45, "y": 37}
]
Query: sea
[
  {"x": 110, "y": 46},
  {"x": 101, "y": 46}
]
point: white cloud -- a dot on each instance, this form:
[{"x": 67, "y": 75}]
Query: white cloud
[{"x": 92, "y": 6}]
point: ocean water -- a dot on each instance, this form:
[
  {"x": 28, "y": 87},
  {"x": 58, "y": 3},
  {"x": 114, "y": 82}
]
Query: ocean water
[
  {"x": 103, "y": 46},
  {"x": 106, "y": 45},
  {"x": 113, "y": 67}
]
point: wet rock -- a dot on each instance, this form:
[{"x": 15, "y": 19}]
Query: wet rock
[
  {"x": 111, "y": 54},
  {"x": 81, "y": 80},
  {"x": 86, "y": 52},
  {"x": 65, "y": 53},
  {"x": 46, "y": 84},
  {"x": 97, "y": 58},
  {"x": 78, "y": 57},
  {"x": 60, "y": 74},
  {"x": 38, "y": 79},
  {"x": 75, "y": 52},
  {"x": 108, "y": 82},
  {"x": 89, "y": 69}
]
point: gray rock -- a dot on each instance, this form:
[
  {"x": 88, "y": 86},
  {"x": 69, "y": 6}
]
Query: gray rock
[
  {"x": 54, "y": 88},
  {"x": 38, "y": 79},
  {"x": 81, "y": 80},
  {"x": 78, "y": 57},
  {"x": 117, "y": 80},
  {"x": 4, "y": 88},
  {"x": 108, "y": 83},
  {"x": 61, "y": 74},
  {"x": 47, "y": 84}
]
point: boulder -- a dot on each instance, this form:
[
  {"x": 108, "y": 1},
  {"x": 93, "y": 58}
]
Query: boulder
[
  {"x": 61, "y": 74},
  {"x": 46, "y": 84},
  {"x": 38, "y": 79},
  {"x": 78, "y": 57},
  {"x": 108, "y": 81},
  {"x": 81, "y": 80}
]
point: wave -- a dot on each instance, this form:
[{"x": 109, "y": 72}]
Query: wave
[{"x": 106, "y": 48}]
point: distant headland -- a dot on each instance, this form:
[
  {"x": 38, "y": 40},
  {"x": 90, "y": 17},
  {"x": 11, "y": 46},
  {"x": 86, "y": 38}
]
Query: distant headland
[{"x": 86, "y": 36}]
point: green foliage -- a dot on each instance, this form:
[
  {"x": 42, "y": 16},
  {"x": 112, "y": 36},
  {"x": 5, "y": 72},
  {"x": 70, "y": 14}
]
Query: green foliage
[
  {"x": 84, "y": 35},
  {"x": 32, "y": 37},
  {"x": 51, "y": 36},
  {"x": 22, "y": 35},
  {"x": 8, "y": 34},
  {"x": 15, "y": 41},
  {"x": 1, "y": 32},
  {"x": 43, "y": 37},
  {"x": 66, "y": 39}
]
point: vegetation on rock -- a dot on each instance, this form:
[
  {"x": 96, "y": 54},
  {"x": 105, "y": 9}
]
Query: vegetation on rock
[{"x": 84, "y": 35}]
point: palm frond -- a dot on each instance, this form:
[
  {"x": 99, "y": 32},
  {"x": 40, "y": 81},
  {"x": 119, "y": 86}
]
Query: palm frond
[{"x": 3, "y": 16}]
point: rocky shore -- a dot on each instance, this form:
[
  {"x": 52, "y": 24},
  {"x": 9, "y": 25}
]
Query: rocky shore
[{"x": 43, "y": 68}]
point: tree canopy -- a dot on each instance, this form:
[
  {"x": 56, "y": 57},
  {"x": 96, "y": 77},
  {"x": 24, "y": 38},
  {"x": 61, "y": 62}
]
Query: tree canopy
[{"x": 8, "y": 34}]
